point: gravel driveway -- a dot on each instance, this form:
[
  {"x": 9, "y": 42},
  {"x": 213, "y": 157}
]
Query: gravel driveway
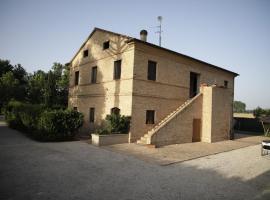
[{"x": 77, "y": 170}]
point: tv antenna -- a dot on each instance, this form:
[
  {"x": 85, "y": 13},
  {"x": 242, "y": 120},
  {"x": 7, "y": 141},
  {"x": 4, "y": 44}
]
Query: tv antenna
[{"x": 159, "y": 18}]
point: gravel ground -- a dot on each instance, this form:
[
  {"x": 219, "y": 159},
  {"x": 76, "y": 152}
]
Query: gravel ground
[{"x": 77, "y": 170}]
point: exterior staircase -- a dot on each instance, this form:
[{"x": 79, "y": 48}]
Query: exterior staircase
[{"x": 146, "y": 139}]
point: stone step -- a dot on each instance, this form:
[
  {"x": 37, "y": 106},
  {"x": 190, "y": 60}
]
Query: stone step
[{"x": 140, "y": 142}]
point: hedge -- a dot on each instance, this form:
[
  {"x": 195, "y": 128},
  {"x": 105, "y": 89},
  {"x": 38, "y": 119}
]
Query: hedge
[{"x": 41, "y": 123}]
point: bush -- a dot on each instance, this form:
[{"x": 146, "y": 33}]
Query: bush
[
  {"x": 114, "y": 124},
  {"x": 12, "y": 114},
  {"x": 41, "y": 124},
  {"x": 60, "y": 124}
]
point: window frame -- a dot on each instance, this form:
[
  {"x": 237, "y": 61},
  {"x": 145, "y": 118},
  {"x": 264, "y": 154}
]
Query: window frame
[
  {"x": 94, "y": 75},
  {"x": 115, "y": 109},
  {"x": 85, "y": 53},
  {"x": 77, "y": 78},
  {"x": 151, "y": 76},
  {"x": 92, "y": 111},
  {"x": 117, "y": 72},
  {"x": 148, "y": 118},
  {"x": 106, "y": 45},
  {"x": 226, "y": 83}
]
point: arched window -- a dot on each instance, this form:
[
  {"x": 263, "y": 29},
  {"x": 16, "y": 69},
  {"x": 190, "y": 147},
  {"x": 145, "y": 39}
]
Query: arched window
[{"x": 115, "y": 111}]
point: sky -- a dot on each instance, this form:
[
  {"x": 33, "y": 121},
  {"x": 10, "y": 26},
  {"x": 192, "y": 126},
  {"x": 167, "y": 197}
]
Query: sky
[{"x": 233, "y": 34}]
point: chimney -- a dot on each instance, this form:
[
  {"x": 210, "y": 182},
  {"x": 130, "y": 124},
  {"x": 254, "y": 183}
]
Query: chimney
[{"x": 143, "y": 35}]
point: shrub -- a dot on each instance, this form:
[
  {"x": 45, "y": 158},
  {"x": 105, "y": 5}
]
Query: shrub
[
  {"x": 59, "y": 124},
  {"x": 114, "y": 124},
  {"x": 29, "y": 115},
  {"x": 43, "y": 124},
  {"x": 12, "y": 114},
  {"x": 22, "y": 116}
]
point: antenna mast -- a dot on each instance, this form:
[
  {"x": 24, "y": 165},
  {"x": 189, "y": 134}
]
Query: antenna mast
[{"x": 160, "y": 30}]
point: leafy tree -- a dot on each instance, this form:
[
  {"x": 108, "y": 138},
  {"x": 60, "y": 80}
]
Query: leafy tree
[
  {"x": 50, "y": 89},
  {"x": 259, "y": 112},
  {"x": 40, "y": 87},
  {"x": 5, "y": 67},
  {"x": 8, "y": 88},
  {"x": 20, "y": 74},
  {"x": 61, "y": 75},
  {"x": 36, "y": 87},
  {"x": 239, "y": 107}
]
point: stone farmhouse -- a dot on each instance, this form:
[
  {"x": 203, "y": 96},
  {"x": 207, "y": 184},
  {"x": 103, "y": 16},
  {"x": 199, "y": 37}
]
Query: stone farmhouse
[{"x": 171, "y": 98}]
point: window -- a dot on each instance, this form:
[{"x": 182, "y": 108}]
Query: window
[
  {"x": 117, "y": 69},
  {"x": 85, "y": 53},
  {"x": 94, "y": 75},
  {"x": 77, "y": 74},
  {"x": 226, "y": 84},
  {"x": 115, "y": 111},
  {"x": 151, "y": 70},
  {"x": 150, "y": 117},
  {"x": 75, "y": 108},
  {"x": 106, "y": 45},
  {"x": 91, "y": 114}
]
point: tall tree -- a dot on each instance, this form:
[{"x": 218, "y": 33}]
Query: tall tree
[
  {"x": 239, "y": 107},
  {"x": 36, "y": 87},
  {"x": 5, "y": 67},
  {"x": 8, "y": 88}
]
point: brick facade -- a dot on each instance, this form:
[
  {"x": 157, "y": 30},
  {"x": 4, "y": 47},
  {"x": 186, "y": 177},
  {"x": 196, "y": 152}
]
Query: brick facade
[{"x": 133, "y": 94}]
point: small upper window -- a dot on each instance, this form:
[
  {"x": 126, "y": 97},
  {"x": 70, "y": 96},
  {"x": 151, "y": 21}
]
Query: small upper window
[
  {"x": 151, "y": 70},
  {"x": 85, "y": 53},
  {"x": 106, "y": 45},
  {"x": 77, "y": 75},
  {"x": 117, "y": 69},
  {"x": 94, "y": 75},
  {"x": 226, "y": 84}
]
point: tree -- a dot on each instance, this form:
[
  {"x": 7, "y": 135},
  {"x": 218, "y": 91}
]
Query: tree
[
  {"x": 50, "y": 89},
  {"x": 259, "y": 112},
  {"x": 61, "y": 75},
  {"x": 8, "y": 88},
  {"x": 239, "y": 107},
  {"x": 5, "y": 67},
  {"x": 36, "y": 87}
]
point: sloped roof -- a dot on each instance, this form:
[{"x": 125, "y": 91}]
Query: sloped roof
[
  {"x": 131, "y": 39},
  {"x": 244, "y": 115}
]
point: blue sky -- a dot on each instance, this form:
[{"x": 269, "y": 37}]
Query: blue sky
[{"x": 233, "y": 34}]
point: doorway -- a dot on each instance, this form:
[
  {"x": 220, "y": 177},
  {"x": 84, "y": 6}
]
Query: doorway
[
  {"x": 193, "y": 85},
  {"x": 196, "y": 136}
]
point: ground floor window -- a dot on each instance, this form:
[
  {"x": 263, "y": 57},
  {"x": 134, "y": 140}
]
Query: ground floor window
[
  {"x": 75, "y": 108},
  {"x": 150, "y": 117},
  {"x": 91, "y": 114}
]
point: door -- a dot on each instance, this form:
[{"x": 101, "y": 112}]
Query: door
[
  {"x": 196, "y": 137},
  {"x": 193, "y": 84}
]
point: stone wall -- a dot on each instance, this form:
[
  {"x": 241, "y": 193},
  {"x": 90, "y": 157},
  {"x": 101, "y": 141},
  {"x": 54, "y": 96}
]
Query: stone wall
[
  {"x": 217, "y": 114},
  {"x": 180, "y": 128},
  {"x": 171, "y": 88},
  {"x": 107, "y": 92}
]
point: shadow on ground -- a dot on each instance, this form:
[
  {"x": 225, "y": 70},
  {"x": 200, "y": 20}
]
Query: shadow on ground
[{"x": 77, "y": 170}]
